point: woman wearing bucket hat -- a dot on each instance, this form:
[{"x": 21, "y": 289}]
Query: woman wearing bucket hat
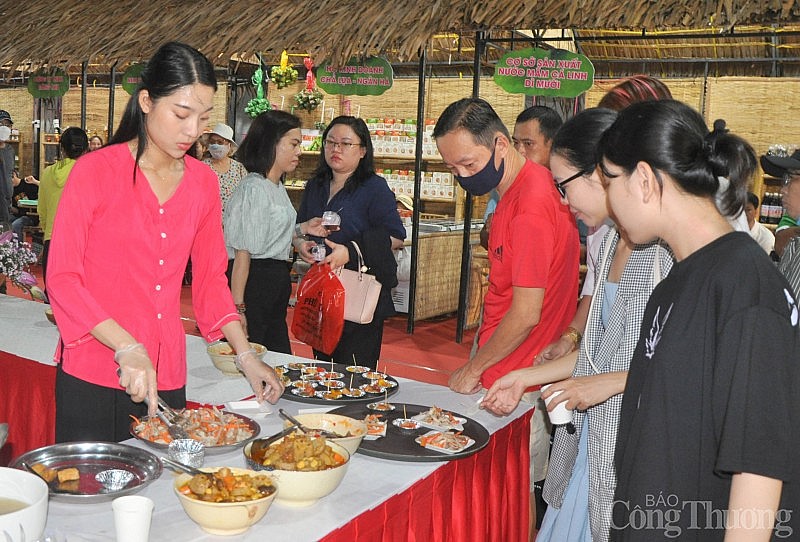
[{"x": 221, "y": 147}]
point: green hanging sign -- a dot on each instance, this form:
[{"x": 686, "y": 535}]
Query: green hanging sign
[
  {"x": 544, "y": 72},
  {"x": 132, "y": 77},
  {"x": 370, "y": 77},
  {"x": 48, "y": 83}
]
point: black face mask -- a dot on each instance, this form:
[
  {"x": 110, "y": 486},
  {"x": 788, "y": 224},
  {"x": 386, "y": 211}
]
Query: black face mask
[{"x": 485, "y": 180}]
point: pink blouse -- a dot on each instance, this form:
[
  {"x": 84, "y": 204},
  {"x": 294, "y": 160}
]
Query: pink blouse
[{"x": 117, "y": 253}]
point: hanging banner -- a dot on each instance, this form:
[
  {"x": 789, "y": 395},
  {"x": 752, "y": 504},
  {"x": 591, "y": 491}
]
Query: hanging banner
[
  {"x": 132, "y": 77},
  {"x": 544, "y": 72},
  {"x": 50, "y": 83},
  {"x": 370, "y": 77}
]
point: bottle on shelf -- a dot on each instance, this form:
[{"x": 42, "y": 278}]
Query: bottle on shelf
[{"x": 764, "y": 212}]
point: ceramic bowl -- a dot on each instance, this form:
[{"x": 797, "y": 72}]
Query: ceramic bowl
[
  {"x": 341, "y": 425},
  {"x": 223, "y": 359},
  {"x": 304, "y": 488},
  {"x": 223, "y": 518},
  {"x": 28, "y": 492}
]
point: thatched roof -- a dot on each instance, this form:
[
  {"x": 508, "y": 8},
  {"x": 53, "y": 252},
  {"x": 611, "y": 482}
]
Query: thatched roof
[{"x": 71, "y": 31}]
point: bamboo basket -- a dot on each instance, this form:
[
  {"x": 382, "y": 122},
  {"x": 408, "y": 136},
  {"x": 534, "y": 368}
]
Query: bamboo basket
[{"x": 478, "y": 286}]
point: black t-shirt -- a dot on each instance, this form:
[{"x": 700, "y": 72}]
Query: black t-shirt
[{"x": 712, "y": 390}]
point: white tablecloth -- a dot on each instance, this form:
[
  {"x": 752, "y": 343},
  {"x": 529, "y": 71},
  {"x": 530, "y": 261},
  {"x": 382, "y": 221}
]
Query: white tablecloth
[{"x": 24, "y": 331}]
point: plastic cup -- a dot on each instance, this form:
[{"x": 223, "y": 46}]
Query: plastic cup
[
  {"x": 560, "y": 415},
  {"x": 132, "y": 515}
]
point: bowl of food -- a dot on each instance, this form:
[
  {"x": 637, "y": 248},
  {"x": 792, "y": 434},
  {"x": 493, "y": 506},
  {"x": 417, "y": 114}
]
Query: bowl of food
[
  {"x": 223, "y": 356},
  {"x": 48, "y": 313},
  {"x": 227, "y": 500},
  {"x": 352, "y": 431},
  {"x": 304, "y": 468},
  {"x": 23, "y": 505}
]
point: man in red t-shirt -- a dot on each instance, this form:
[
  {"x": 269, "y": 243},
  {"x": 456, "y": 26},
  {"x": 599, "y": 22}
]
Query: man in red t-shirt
[{"x": 533, "y": 244}]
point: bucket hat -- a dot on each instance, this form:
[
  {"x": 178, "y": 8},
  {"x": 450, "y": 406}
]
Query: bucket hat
[{"x": 222, "y": 130}]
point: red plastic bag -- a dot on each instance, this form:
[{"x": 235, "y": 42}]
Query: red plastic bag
[{"x": 319, "y": 312}]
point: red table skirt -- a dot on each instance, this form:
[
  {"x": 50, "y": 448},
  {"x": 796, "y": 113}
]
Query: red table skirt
[
  {"x": 27, "y": 403},
  {"x": 481, "y": 498}
]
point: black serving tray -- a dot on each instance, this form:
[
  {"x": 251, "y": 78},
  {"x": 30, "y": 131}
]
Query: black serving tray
[
  {"x": 358, "y": 380},
  {"x": 400, "y": 444}
]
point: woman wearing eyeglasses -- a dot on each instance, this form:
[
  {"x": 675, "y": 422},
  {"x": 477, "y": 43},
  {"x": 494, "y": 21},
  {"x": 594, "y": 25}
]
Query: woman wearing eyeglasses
[
  {"x": 579, "y": 487},
  {"x": 345, "y": 182}
]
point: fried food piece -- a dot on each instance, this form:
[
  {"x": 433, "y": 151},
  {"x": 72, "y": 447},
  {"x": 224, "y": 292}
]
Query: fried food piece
[
  {"x": 67, "y": 475},
  {"x": 47, "y": 473}
]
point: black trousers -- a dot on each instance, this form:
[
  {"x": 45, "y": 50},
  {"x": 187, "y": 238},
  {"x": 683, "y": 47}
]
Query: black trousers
[
  {"x": 266, "y": 295},
  {"x": 360, "y": 345},
  {"x": 86, "y": 411},
  {"x": 45, "y": 254}
]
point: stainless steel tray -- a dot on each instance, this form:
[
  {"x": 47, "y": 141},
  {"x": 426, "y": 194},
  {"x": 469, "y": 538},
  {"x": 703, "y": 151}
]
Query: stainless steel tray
[
  {"x": 90, "y": 458},
  {"x": 251, "y": 424}
]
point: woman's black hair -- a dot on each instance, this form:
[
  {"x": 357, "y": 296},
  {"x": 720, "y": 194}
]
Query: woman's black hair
[
  {"x": 173, "y": 66},
  {"x": 74, "y": 142},
  {"x": 576, "y": 141},
  {"x": 257, "y": 151},
  {"x": 673, "y": 138},
  {"x": 366, "y": 166}
]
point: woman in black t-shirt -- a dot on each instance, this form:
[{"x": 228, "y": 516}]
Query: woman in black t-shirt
[{"x": 709, "y": 424}]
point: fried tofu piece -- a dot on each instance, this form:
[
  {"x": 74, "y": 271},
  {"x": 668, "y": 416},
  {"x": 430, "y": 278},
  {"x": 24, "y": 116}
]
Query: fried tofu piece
[
  {"x": 47, "y": 473},
  {"x": 67, "y": 475}
]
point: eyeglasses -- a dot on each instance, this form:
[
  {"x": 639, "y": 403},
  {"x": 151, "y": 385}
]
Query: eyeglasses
[
  {"x": 560, "y": 185},
  {"x": 329, "y": 144}
]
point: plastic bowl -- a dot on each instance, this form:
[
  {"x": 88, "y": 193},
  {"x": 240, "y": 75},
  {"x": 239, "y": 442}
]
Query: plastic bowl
[
  {"x": 28, "y": 522},
  {"x": 304, "y": 488},
  {"x": 224, "y": 518},
  {"x": 338, "y": 424},
  {"x": 225, "y": 362}
]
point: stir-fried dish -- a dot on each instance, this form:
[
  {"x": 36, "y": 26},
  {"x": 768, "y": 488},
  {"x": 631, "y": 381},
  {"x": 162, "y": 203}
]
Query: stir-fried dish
[
  {"x": 224, "y": 486},
  {"x": 210, "y": 426},
  {"x": 299, "y": 452}
]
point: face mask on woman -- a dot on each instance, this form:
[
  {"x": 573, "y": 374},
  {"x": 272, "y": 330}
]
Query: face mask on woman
[{"x": 218, "y": 151}]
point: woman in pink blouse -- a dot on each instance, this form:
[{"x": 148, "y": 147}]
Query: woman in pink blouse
[{"x": 131, "y": 215}]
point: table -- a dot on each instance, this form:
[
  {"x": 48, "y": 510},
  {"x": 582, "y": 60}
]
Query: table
[{"x": 483, "y": 497}]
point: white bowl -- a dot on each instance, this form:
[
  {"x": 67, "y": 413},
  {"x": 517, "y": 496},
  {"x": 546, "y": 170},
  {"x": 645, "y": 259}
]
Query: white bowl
[
  {"x": 224, "y": 518},
  {"x": 27, "y": 523},
  {"x": 338, "y": 424},
  {"x": 304, "y": 488},
  {"x": 226, "y": 362}
]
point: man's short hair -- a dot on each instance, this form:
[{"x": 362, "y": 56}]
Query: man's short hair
[
  {"x": 752, "y": 199},
  {"x": 475, "y": 116},
  {"x": 549, "y": 120}
]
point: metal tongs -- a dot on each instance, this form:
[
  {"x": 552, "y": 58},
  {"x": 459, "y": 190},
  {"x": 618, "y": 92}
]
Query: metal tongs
[{"x": 170, "y": 419}]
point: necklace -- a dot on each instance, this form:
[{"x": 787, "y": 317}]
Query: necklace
[{"x": 144, "y": 164}]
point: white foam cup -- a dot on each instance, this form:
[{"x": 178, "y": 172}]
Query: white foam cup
[
  {"x": 132, "y": 515},
  {"x": 560, "y": 415}
]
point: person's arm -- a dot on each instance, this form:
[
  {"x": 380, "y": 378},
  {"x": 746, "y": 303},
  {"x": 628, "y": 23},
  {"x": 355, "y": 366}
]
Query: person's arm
[
  {"x": 506, "y": 392},
  {"x": 239, "y": 276},
  {"x": 582, "y": 392},
  {"x": 522, "y": 316},
  {"x": 568, "y": 341},
  {"x": 262, "y": 378},
  {"x": 783, "y": 237},
  {"x": 752, "y": 495}
]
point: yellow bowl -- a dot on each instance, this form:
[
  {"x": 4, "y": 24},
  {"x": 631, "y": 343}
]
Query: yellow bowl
[
  {"x": 304, "y": 488},
  {"x": 223, "y": 518},
  {"x": 223, "y": 359},
  {"x": 338, "y": 424}
]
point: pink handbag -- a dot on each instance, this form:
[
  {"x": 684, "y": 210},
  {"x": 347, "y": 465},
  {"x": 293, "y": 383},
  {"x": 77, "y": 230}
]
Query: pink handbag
[{"x": 361, "y": 292}]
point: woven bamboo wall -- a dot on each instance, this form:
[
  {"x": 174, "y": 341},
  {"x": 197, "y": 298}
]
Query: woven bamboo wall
[{"x": 689, "y": 91}]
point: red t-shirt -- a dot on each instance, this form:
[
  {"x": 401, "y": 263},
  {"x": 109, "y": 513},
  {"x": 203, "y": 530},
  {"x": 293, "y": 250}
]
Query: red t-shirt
[{"x": 533, "y": 243}]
